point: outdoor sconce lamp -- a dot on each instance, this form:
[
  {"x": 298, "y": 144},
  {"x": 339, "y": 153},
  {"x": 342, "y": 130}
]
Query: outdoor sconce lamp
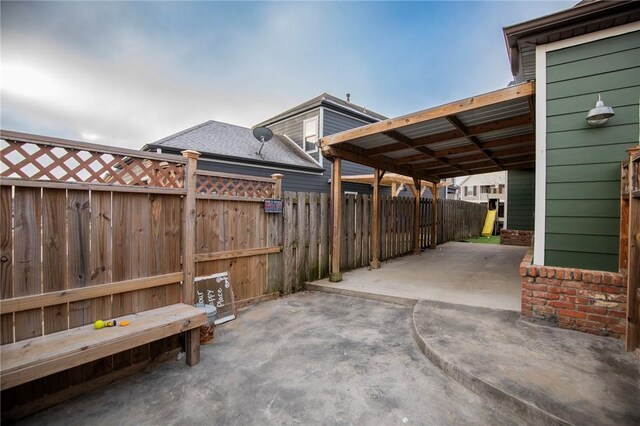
[{"x": 599, "y": 115}]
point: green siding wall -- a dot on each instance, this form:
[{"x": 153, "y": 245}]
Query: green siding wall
[
  {"x": 583, "y": 162},
  {"x": 521, "y": 194}
]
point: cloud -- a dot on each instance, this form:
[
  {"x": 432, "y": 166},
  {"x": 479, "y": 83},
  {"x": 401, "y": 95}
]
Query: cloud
[{"x": 127, "y": 74}]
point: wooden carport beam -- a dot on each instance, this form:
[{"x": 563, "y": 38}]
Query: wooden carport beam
[
  {"x": 356, "y": 155},
  {"x": 455, "y": 121},
  {"x": 496, "y": 143},
  {"x": 399, "y": 137}
]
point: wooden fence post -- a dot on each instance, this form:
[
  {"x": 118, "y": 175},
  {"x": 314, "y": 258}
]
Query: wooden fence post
[
  {"x": 277, "y": 190},
  {"x": 189, "y": 227},
  {"x": 192, "y": 337},
  {"x": 336, "y": 207}
]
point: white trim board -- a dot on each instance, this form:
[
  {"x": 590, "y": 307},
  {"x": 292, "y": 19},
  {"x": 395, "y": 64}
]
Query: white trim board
[
  {"x": 302, "y": 151},
  {"x": 541, "y": 125}
]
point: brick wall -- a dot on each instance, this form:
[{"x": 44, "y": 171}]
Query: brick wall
[
  {"x": 512, "y": 237},
  {"x": 578, "y": 299}
]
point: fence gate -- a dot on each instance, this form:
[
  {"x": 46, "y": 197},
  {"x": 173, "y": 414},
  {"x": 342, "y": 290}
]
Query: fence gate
[{"x": 231, "y": 232}]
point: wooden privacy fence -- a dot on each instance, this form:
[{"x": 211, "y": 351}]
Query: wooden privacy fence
[
  {"x": 80, "y": 219},
  {"x": 91, "y": 232},
  {"x": 131, "y": 230},
  {"x": 305, "y": 233}
]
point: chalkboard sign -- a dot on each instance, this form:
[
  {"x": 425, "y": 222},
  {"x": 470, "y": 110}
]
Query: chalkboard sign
[
  {"x": 216, "y": 290},
  {"x": 273, "y": 205}
]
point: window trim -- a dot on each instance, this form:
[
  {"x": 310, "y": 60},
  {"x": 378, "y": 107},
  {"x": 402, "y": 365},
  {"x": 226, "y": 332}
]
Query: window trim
[{"x": 304, "y": 141}]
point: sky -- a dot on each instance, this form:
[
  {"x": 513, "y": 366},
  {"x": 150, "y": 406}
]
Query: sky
[{"x": 130, "y": 73}]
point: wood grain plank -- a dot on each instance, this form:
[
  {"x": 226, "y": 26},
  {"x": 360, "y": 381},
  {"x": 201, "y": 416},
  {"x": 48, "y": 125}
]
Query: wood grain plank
[
  {"x": 172, "y": 217},
  {"x": 6, "y": 261},
  {"x": 324, "y": 235},
  {"x": 275, "y": 269},
  {"x": 366, "y": 229},
  {"x": 287, "y": 252},
  {"x": 350, "y": 231},
  {"x": 314, "y": 225},
  {"x": 303, "y": 234},
  {"x": 121, "y": 303},
  {"x": 27, "y": 260},
  {"x": 101, "y": 258},
  {"x": 54, "y": 255},
  {"x": 78, "y": 236}
]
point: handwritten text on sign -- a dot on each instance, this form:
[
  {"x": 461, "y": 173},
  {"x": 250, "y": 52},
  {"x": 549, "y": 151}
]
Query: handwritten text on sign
[{"x": 216, "y": 290}]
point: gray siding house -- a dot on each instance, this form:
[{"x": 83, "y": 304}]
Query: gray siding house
[
  {"x": 292, "y": 151},
  {"x": 322, "y": 116}
]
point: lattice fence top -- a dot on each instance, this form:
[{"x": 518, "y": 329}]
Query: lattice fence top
[
  {"x": 238, "y": 187},
  {"x": 47, "y": 162}
]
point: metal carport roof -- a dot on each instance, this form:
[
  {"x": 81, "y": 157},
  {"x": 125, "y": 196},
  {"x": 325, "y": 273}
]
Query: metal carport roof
[{"x": 486, "y": 133}]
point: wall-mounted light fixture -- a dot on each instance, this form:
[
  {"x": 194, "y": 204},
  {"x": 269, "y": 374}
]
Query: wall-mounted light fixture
[{"x": 600, "y": 114}]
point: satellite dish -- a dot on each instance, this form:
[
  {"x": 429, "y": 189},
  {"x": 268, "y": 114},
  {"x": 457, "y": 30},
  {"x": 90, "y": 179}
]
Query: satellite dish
[{"x": 263, "y": 134}]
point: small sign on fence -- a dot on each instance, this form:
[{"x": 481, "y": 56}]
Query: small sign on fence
[
  {"x": 216, "y": 290},
  {"x": 272, "y": 205}
]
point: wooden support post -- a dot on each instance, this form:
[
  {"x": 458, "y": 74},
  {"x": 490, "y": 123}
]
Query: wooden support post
[
  {"x": 189, "y": 227},
  {"x": 277, "y": 190},
  {"x": 336, "y": 207},
  {"x": 192, "y": 346},
  {"x": 434, "y": 216},
  {"x": 394, "y": 189},
  {"x": 375, "y": 221},
  {"x": 416, "y": 217}
]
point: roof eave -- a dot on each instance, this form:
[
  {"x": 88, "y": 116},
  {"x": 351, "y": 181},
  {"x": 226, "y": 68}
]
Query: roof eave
[
  {"x": 248, "y": 161},
  {"x": 513, "y": 33}
]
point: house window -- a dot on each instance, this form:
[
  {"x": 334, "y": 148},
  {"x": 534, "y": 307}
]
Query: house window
[{"x": 310, "y": 135}]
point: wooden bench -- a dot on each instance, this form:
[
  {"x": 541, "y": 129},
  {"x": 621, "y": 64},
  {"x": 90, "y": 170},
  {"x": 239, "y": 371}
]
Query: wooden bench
[{"x": 34, "y": 358}]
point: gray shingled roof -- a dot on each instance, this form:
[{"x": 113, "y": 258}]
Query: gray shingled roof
[
  {"x": 328, "y": 100},
  {"x": 226, "y": 140}
]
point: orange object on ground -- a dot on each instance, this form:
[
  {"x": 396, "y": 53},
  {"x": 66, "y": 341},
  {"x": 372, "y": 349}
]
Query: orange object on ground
[{"x": 124, "y": 323}]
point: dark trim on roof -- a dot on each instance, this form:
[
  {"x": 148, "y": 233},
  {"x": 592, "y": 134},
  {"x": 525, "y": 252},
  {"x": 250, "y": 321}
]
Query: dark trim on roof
[
  {"x": 247, "y": 161},
  {"x": 329, "y": 101},
  {"x": 580, "y": 14}
]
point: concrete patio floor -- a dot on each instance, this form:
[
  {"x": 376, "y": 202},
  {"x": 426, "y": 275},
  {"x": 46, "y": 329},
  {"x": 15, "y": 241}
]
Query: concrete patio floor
[
  {"x": 308, "y": 358},
  {"x": 483, "y": 275},
  {"x": 538, "y": 371}
]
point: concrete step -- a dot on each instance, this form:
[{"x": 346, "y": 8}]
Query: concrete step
[{"x": 544, "y": 375}]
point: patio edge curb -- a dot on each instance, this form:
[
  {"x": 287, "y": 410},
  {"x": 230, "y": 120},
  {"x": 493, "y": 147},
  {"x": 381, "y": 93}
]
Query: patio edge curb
[
  {"x": 405, "y": 301},
  {"x": 525, "y": 410}
]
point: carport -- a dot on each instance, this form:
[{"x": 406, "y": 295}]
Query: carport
[{"x": 490, "y": 132}]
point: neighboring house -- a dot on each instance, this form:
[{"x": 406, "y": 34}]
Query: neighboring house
[
  {"x": 484, "y": 187},
  {"x": 488, "y": 189},
  {"x": 576, "y": 55},
  {"x": 292, "y": 151},
  {"x": 321, "y": 116}
]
